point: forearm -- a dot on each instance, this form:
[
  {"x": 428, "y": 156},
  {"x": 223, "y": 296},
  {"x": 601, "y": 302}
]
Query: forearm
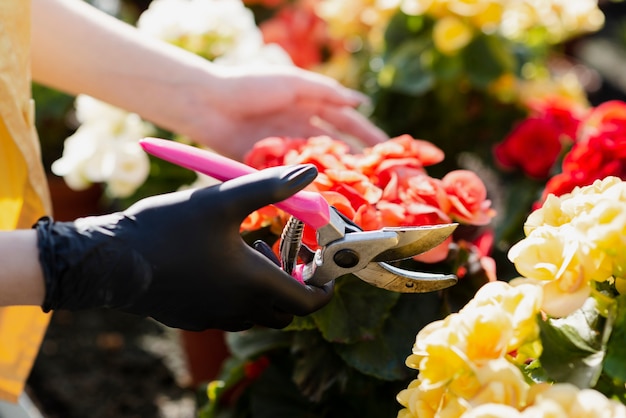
[
  {"x": 78, "y": 49},
  {"x": 21, "y": 278}
]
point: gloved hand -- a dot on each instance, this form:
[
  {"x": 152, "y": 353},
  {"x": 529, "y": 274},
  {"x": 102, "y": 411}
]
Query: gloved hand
[{"x": 179, "y": 258}]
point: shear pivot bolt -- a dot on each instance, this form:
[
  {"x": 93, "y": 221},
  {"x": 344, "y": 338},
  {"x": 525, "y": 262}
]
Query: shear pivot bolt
[{"x": 346, "y": 258}]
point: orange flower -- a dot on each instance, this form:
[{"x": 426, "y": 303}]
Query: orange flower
[
  {"x": 271, "y": 151},
  {"x": 300, "y": 32},
  {"x": 468, "y": 196},
  {"x": 386, "y": 185}
]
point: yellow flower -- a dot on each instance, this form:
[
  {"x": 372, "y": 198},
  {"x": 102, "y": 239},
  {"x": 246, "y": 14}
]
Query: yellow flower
[
  {"x": 548, "y": 253},
  {"x": 468, "y": 8},
  {"x": 451, "y": 34},
  {"x": 573, "y": 240},
  {"x": 416, "y": 7},
  {"x": 553, "y": 255},
  {"x": 557, "y": 211},
  {"x": 424, "y": 401},
  {"x": 520, "y": 301},
  {"x": 446, "y": 366},
  {"x": 501, "y": 383},
  {"x": 566, "y": 400},
  {"x": 488, "y": 330},
  {"x": 489, "y": 18},
  {"x": 492, "y": 410}
]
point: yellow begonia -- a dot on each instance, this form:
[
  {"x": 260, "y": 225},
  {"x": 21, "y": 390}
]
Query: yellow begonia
[
  {"x": 572, "y": 241},
  {"x": 488, "y": 332},
  {"x": 364, "y": 19},
  {"x": 557, "y": 211},
  {"x": 492, "y": 410},
  {"x": 463, "y": 359},
  {"x": 566, "y": 400},
  {"x": 489, "y": 18},
  {"x": 451, "y": 34},
  {"x": 521, "y": 303},
  {"x": 468, "y": 8},
  {"x": 501, "y": 383},
  {"x": 539, "y": 85}
]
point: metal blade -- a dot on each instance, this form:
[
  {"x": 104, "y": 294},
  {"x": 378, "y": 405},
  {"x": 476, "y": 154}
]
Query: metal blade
[
  {"x": 386, "y": 276},
  {"x": 415, "y": 240}
]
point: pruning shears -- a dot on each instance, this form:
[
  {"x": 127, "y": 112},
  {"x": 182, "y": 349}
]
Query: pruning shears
[{"x": 343, "y": 246}]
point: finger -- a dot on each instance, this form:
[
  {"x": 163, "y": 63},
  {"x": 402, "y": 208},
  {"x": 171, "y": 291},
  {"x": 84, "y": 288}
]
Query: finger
[
  {"x": 294, "y": 297},
  {"x": 266, "y": 250},
  {"x": 286, "y": 293},
  {"x": 253, "y": 191},
  {"x": 310, "y": 85},
  {"x": 306, "y": 299},
  {"x": 349, "y": 121}
]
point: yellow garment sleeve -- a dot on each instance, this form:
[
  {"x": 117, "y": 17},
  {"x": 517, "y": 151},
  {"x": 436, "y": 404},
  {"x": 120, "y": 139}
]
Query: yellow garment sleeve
[
  {"x": 23, "y": 189},
  {"x": 22, "y": 328}
]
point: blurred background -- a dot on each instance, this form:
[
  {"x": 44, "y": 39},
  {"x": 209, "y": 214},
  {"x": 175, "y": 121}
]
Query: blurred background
[{"x": 105, "y": 364}]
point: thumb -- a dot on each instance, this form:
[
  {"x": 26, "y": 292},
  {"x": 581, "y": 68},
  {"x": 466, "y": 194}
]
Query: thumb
[{"x": 265, "y": 187}]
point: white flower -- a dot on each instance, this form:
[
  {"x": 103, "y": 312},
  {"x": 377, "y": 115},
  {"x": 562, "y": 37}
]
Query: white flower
[
  {"x": 209, "y": 28},
  {"x": 105, "y": 149}
]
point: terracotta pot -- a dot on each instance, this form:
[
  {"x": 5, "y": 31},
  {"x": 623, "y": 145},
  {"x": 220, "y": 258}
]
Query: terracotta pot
[{"x": 206, "y": 352}]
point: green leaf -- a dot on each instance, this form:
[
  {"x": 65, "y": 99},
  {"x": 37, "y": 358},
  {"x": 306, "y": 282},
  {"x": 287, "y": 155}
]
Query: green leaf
[
  {"x": 356, "y": 311},
  {"x": 275, "y": 395},
  {"x": 402, "y": 27},
  {"x": 255, "y": 341},
  {"x": 317, "y": 367},
  {"x": 615, "y": 361},
  {"x": 301, "y": 323},
  {"x": 573, "y": 346},
  {"x": 408, "y": 67},
  {"x": 447, "y": 68},
  {"x": 486, "y": 58},
  {"x": 384, "y": 357}
]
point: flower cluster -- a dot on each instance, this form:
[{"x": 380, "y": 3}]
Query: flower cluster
[
  {"x": 385, "y": 185},
  {"x": 223, "y": 31},
  {"x": 105, "y": 149},
  {"x": 574, "y": 241},
  {"x": 582, "y": 144},
  {"x": 468, "y": 359},
  {"x": 458, "y": 20},
  {"x": 599, "y": 150},
  {"x": 550, "y": 128},
  {"x": 470, "y": 364}
]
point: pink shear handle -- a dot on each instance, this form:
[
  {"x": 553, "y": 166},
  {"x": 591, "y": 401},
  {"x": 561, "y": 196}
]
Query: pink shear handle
[{"x": 309, "y": 207}]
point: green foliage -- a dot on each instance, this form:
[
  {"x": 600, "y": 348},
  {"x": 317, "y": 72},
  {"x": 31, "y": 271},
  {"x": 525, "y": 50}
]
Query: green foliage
[
  {"x": 51, "y": 121},
  {"x": 348, "y": 319},
  {"x": 615, "y": 362},
  {"x": 574, "y": 346}
]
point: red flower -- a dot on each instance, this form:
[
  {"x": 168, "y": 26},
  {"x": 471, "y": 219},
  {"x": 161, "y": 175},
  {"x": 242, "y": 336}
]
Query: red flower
[
  {"x": 254, "y": 369},
  {"x": 533, "y": 146},
  {"x": 599, "y": 152},
  {"x": 300, "y": 32},
  {"x": 271, "y": 151},
  {"x": 468, "y": 197},
  {"x": 386, "y": 185},
  {"x": 565, "y": 115}
]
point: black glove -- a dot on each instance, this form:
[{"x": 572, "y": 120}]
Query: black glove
[{"x": 179, "y": 258}]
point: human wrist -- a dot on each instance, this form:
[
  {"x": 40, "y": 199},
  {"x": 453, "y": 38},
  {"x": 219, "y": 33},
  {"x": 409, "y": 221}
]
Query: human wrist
[{"x": 21, "y": 278}]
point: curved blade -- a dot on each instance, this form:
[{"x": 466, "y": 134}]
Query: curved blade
[
  {"x": 386, "y": 276},
  {"x": 415, "y": 240}
]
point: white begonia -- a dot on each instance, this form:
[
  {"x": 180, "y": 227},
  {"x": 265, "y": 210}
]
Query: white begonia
[
  {"x": 210, "y": 28},
  {"x": 105, "y": 149}
]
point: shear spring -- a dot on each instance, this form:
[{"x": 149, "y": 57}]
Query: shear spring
[{"x": 290, "y": 242}]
